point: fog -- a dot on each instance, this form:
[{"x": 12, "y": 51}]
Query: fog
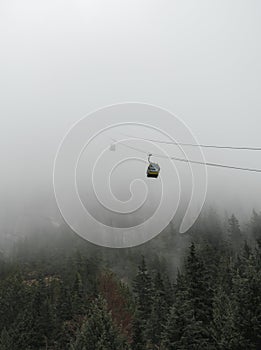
[{"x": 61, "y": 60}]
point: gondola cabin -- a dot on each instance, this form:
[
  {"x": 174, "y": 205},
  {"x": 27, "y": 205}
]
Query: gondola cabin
[
  {"x": 112, "y": 147},
  {"x": 153, "y": 170}
]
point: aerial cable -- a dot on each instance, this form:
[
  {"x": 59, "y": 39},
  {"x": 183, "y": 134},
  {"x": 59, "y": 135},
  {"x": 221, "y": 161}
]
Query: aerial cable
[
  {"x": 187, "y": 160},
  {"x": 197, "y": 145}
]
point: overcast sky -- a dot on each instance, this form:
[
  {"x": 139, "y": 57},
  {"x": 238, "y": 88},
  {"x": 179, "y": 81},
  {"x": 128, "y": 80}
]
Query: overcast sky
[{"x": 60, "y": 60}]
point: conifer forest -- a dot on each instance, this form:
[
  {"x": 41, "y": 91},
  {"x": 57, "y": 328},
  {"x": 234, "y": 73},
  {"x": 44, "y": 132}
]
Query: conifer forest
[{"x": 198, "y": 290}]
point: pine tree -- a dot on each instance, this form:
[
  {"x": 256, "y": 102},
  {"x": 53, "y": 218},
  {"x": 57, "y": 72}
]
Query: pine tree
[
  {"x": 78, "y": 305},
  {"x": 192, "y": 311},
  {"x": 159, "y": 311},
  {"x": 247, "y": 295},
  {"x": 197, "y": 288},
  {"x": 182, "y": 330},
  {"x": 6, "y": 340},
  {"x": 64, "y": 304},
  {"x": 234, "y": 232},
  {"x": 13, "y": 297},
  {"x": 255, "y": 225},
  {"x": 169, "y": 291},
  {"x": 138, "y": 338},
  {"x": 42, "y": 313},
  {"x": 98, "y": 331},
  {"x": 223, "y": 328},
  {"x": 142, "y": 287}
]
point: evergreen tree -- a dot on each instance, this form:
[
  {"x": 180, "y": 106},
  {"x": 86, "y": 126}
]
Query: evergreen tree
[
  {"x": 142, "y": 287},
  {"x": 198, "y": 288},
  {"x": 169, "y": 291},
  {"x": 98, "y": 331},
  {"x": 64, "y": 304},
  {"x": 159, "y": 311},
  {"x": 78, "y": 304},
  {"x": 247, "y": 295},
  {"x": 223, "y": 328},
  {"x": 138, "y": 338},
  {"x": 182, "y": 330},
  {"x": 234, "y": 231},
  {"x": 42, "y": 313},
  {"x": 255, "y": 225},
  {"x": 6, "y": 340}
]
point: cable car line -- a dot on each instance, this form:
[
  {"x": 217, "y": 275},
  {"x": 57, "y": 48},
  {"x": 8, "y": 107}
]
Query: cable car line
[
  {"x": 197, "y": 145},
  {"x": 189, "y": 161}
]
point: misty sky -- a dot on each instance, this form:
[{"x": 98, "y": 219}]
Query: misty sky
[{"x": 61, "y": 59}]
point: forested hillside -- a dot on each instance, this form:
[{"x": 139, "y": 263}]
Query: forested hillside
[{"x": 201, "y": 290}]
